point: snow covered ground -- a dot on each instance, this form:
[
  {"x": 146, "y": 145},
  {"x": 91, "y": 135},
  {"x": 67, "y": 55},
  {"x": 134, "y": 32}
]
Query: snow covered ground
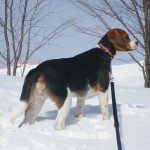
[{"x": 87, "y": 133}]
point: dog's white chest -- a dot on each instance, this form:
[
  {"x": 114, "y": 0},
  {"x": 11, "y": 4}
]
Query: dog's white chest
[{"x": 88, "y": 94}]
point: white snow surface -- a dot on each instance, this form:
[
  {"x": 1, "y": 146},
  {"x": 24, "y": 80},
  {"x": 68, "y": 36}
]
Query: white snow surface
[{"x": 90, "y": 132}]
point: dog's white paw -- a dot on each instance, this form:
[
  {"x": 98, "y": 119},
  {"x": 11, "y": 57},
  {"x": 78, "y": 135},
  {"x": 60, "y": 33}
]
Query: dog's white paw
[
  {"x": 106, "y": 116},
  {"x": 59, "y": 125},
  {"x": 79, "y": 115}
]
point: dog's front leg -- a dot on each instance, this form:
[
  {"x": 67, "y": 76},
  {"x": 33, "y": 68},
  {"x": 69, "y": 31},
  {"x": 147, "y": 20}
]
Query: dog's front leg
[
  {"x": 103, "y": 98},
  {"x": 32, "y": 112},
  {"x": 80, "y": 108}
]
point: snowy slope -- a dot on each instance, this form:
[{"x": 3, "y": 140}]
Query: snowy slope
[{"x": 87, "y": 133}]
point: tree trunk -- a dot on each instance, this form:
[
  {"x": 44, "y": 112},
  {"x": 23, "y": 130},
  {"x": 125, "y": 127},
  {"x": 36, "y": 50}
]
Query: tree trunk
[
  {"x": 146, "y": 4},
  {"x": 6, "y": 39},
  {"x": 15, "y": 68},
  {"x": 8, "y": 68}
]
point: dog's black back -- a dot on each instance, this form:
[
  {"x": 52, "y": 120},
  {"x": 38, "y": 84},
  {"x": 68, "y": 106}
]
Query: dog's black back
[{"x": 87, "y": 68}]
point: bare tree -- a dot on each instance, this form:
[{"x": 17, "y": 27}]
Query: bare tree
[
  {"x": 134, "y": 16},
  {"x": 146, "y": 4},
  {"x": 24, "y": 30}
]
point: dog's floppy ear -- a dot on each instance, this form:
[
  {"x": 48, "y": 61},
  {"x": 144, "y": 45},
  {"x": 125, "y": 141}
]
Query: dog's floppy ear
[{"x": 118, "y": 43}]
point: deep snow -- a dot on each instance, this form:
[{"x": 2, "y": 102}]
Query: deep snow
[{"x": 87, "y": 133}]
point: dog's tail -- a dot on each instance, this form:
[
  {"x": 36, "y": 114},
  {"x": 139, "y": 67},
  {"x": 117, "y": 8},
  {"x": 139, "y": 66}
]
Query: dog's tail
[{"x": 30, "y": 79}]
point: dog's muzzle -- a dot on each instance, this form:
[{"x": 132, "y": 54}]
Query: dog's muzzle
[{"x": 133, "y": 45}]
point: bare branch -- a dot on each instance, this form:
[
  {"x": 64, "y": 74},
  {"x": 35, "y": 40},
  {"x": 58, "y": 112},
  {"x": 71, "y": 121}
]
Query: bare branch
[
  {"x": 6, "y": 37},
  {"x": 12, "y": 28},
  {"x": 22, "y": 30},
  {"x": 3, "y": 56},
  {"x": 3, "y": 63},
  {"x": 135, "y": 60},
  {"x": 138, "y": 17}
]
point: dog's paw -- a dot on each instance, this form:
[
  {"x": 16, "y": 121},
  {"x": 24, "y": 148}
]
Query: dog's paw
[
  {"x": 79, "y": 115},
  {"x": 59, "y": 125},
  {"x": 106, "y": 117}
]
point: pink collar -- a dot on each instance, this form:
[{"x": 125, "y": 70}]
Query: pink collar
[{"x": 106, "y": 50}]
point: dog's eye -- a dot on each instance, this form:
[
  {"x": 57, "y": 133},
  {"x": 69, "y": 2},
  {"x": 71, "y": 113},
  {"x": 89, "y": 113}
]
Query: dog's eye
[{"x": 127, "y": 37}]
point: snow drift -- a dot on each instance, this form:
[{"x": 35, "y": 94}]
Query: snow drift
[{"x": 88, "y": 132}]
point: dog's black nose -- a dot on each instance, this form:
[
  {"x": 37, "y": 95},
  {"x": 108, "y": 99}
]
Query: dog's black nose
[{"x": 137, "y": 42}]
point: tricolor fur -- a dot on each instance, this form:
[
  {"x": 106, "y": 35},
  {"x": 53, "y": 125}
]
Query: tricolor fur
[{"x": 83, "y": 76}]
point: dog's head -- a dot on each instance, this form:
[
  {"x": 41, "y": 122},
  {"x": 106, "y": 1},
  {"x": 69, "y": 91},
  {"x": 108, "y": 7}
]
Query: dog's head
[{"x": 118, "y": 40}]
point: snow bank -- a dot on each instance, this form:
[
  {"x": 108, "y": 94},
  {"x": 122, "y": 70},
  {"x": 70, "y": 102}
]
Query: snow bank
[{"x": 88, "y": 132}]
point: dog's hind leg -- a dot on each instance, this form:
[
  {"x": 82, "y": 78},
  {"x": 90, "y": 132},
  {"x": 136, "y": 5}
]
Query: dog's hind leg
[
  {"x": 80, "y": 107},
  {"x": 37, "y": 98},
  {"x": 63, "y": 112},
  {"x": 32, "y": 112},
  {"x": 103, "y": 98}
]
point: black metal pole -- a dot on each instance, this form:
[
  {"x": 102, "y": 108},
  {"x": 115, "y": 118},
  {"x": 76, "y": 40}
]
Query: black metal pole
[{"x": 116, "y": 122}]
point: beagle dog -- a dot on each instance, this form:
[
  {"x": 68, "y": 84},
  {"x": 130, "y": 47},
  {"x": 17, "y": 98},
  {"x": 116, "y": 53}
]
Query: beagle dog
[{"x": 83, "y": 76}]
